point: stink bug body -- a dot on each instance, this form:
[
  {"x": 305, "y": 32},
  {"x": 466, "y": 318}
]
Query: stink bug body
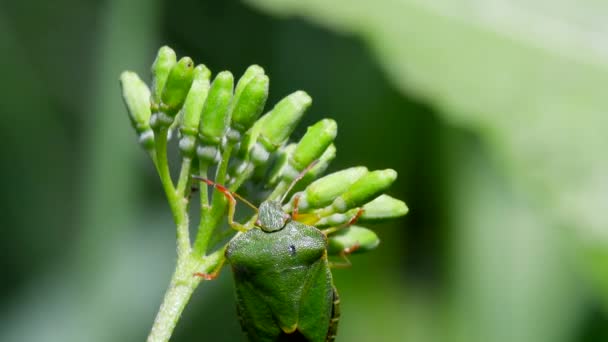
[
  {"x": 283, "y": 282},
  {"x": 284, "y": 286}
]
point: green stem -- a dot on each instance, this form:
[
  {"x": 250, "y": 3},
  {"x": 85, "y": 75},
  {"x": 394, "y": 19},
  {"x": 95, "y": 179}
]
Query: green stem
[
  {"x": 242, "y": 177},
  {"x": 183, "y": 283},
  {"x": 203, "y": 167},
  {"x": 184, "y": 176},
  {"x": 210, "y": 219},
  {"x": 222, "y": 169},
  {"x": 162, "y": 165},
  {"x": 175, "y": 197},
  {"x": 152, "y": 154}
]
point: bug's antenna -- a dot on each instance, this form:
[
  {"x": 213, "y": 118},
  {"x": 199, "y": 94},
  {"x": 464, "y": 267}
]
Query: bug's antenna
[
  {"x": 224, "y": 190},
  {"x": 298, "y": 178}
]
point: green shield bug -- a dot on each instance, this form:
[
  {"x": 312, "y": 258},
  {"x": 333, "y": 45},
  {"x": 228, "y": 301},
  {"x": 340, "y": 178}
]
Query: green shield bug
[{"x": 284, "y": 286}]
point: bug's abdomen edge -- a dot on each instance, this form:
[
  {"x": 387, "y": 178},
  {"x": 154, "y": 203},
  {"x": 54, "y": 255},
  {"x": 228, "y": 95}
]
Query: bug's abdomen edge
[{"x": 335, "y": 317}]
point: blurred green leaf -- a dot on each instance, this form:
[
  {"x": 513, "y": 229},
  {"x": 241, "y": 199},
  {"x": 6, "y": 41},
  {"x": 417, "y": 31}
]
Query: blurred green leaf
[
  {"x": 528, "y": 77},
  {"x": 512, "y": 277}
]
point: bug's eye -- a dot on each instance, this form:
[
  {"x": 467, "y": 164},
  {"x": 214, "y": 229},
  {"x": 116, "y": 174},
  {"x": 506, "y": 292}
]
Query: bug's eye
[{"x": 292, "y": 249}]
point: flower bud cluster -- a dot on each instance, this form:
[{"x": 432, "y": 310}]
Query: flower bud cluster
[{"x": 216, "y": 116}]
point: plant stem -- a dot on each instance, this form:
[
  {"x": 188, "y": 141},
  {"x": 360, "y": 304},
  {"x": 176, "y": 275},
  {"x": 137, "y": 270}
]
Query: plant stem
[
  {"x": 184, "y": 176},
  {"x": 183, "y": 283},
  {"x": 162, "y": 165},
  {"x": 175, "y": 301},
  {"x": 202, "y": 172},
  {"x": 183, "y": 234},
  {"x": 175, "y": 197},
  {"x": 210, "y": 219}
]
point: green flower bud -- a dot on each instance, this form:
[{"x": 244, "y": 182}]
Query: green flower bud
[
  {"x": 355, "y": 238},
  {"x": 336, "y": 220},
  {"x": 384, "y": 207},
  {"x": 324, "y": 191},
  {"x": 215, "y": 117},
  {"x": 365, "y": 189},
  {"x": 249, "y": 103},
  {"x": 193, "y": 107},
  {"x": 326, "y": 158},
  {"x": 250, "y": 139},
  {"x": 177, "y": 86},
  {"x": 164, "y": 62},
  {"x": 312, "y": 145},
  {"x": 136, "y": 96},
  {"x": 282, "y": 120},
  {"x": 316, "y": 171},
  {"x": 243, "y": 156},
  {"x": 251, "y": 72}
]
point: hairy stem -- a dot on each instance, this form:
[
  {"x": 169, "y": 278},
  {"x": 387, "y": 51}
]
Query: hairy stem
[
  {"x": 183, "y": 283},
  {"x": 184, "y": 176},
  {"x": 202, "y": 172}
]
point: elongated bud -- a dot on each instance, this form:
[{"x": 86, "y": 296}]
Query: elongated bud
[
  {"x": 214, "y": 120},
  {"x": 249, "y": 103},
  {"x": 324, "y": 191},
  {"x": 243, "y": 163},
  {"x": 177, "y": 86},
  {"x": 316, "y": 171},
  {"x": 384, "y": 207},
  {"x": 136, "y": 96},
  {"x": 283, "y": 119},
  {"x": 353, "y": 239},
  {"x": 164, "y": 62},
  {"x": 312, "y": 145},
  {"x": 326, "y": 158},
  {"x": 251, "y": 72},
  {"x": 368, "y": 187},
  {"x": 193, "y": 107},
  {"x": 276, "y": 126}
]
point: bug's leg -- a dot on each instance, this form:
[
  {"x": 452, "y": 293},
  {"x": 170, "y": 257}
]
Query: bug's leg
[
  {"x": 231, "y": 204},
  {"x": 212, "y": 275},
  {"x": 231, "y": 210},
  {"x": 350, "y": 222},
  {"x": 297, "y": 179},
  {"x": 306, "y": 218},
  {"x": 294, "y": 212},
  {"x": 345, "y": 262}
]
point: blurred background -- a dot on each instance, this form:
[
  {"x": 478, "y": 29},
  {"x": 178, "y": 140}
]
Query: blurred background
[{"x": 493, "y": 113}]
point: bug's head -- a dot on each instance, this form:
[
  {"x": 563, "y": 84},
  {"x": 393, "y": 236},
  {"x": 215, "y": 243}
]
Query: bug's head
[{"x": 271, "y": 216}]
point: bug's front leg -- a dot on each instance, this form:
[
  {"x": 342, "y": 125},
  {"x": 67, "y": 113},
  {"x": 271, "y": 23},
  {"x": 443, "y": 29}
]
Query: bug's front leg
[
  {"x": 212, "y": 275},
  {"x": 345, "y": 262},
  {"x": 231, "y": 204}
]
